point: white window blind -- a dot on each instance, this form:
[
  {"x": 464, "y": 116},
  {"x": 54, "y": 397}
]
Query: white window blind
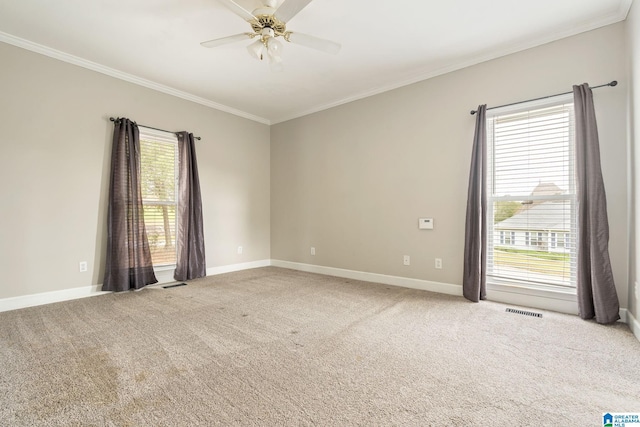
[
  {"x": 159, "y": 183},
  {"x": 532, "y": 196}
]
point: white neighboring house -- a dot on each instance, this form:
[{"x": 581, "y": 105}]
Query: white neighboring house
[{"x": 537, "y": 226}]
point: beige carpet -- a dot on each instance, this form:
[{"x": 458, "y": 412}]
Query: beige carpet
[{"x": 273, "y": 347}]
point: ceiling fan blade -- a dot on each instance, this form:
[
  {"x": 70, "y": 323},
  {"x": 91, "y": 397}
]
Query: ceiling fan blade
[
  {"x": 314, "y": 42},
  {"x": 238, "y": 10},
  {"x": 289, "y": 9},
  {"x": 226, "y": 40}
]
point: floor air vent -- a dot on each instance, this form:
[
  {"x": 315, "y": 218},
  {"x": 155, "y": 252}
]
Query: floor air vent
[
  {"x": 174, "y": 285},
  {"x": 524, "y": 312}
]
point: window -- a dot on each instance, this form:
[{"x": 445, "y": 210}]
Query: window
[
  {"x": 531, "y": 189},
  {"x": 507, "y": 237},
  {"x": 159, "y": 183},
  {"x": 538, "y": 239}
]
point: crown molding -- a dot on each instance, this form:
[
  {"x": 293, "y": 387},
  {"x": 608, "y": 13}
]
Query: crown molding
[
  {"x": 615, "y": 17},
  {"x": 71, "y": 59}
]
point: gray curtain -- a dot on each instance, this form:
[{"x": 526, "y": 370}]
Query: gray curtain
[
  {"x": 128, "y": 264},
  {"x": 190, "y": 236},
  {"x": 597, "y": 295},
  {"x": 475, "y": 238}
]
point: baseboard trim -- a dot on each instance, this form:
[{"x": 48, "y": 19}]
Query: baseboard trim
[
  {"x": 164, "y": 277},
  {"x": 24, "y": 301},
  {"x": 634, "y": 325},
  {"x": 213, "y": 271},
  {"x": 406, "y": 282}
]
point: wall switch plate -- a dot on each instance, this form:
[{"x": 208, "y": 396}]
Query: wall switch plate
[
  {"x": 83, "y": 266},
  {"x": 425, "y": 223},
  {"x": 239, "y": 250},
  {"x": 439, "y": 263},
  {"x": 313, "y": 250},
  {"x": 407, "y": 260}
]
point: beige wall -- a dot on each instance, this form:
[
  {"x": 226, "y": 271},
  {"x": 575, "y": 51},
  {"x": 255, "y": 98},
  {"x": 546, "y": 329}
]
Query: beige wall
[
  {"x": 633, "y": 39},
  {"x": 352, "y": 181},
  {"x": 55, "y": 147}
]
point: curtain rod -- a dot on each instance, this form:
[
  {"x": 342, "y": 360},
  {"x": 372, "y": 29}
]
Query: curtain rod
[
  {"x": 149, "y": 127},
  {"x": 613, "y": 83}
]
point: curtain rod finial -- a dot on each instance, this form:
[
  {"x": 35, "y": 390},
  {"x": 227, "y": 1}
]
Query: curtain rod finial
[
  {"x": 614, "y": 83},
  {"x": 473, "y": 112}
]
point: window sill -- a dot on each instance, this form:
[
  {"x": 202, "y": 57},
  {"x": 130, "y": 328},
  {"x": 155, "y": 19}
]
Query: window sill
[
  {"x": 164, "y": 273},
  {"x": 554, "y": 299}
]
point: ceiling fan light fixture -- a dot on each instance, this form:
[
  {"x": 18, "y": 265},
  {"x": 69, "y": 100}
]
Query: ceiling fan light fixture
[
  {"x": 256, "y": 50},
  {"x": 274, "y": 47}
]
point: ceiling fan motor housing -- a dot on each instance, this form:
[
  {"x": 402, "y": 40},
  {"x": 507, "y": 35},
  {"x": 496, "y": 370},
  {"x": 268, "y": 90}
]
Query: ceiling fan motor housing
[{"x": 265, "y": 19}]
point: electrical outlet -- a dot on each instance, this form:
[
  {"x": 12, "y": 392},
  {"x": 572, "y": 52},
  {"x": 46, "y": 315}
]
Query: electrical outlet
[
  {"x": 239, "y": 250},
  {"x": 439, "y": 263},
  {"x": 313, "y": 250},
  {"x": 407, "y": 260},
  {"x": 83, "y": 266}
]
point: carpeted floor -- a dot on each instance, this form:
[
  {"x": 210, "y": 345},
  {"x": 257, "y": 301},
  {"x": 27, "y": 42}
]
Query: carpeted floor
[{"x": 274, "y": 347}]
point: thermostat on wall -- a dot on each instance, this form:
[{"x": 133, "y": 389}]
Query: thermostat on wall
[{"x": 425, "y": 223}]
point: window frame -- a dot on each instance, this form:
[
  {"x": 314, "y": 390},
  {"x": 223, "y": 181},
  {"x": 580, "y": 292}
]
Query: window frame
[{"x": 520, "y": 286}]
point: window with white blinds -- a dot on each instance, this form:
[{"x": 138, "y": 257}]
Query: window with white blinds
[
  {"x": 159, "y": 183},
  {"x": 532, "y": 197}
]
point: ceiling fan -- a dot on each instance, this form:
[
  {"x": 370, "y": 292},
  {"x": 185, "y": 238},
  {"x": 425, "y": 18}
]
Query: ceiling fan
[{"x": 268, "y": 23}]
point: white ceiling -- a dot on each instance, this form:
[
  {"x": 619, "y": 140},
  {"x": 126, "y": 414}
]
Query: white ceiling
[{"x": 385, "y": 44}]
